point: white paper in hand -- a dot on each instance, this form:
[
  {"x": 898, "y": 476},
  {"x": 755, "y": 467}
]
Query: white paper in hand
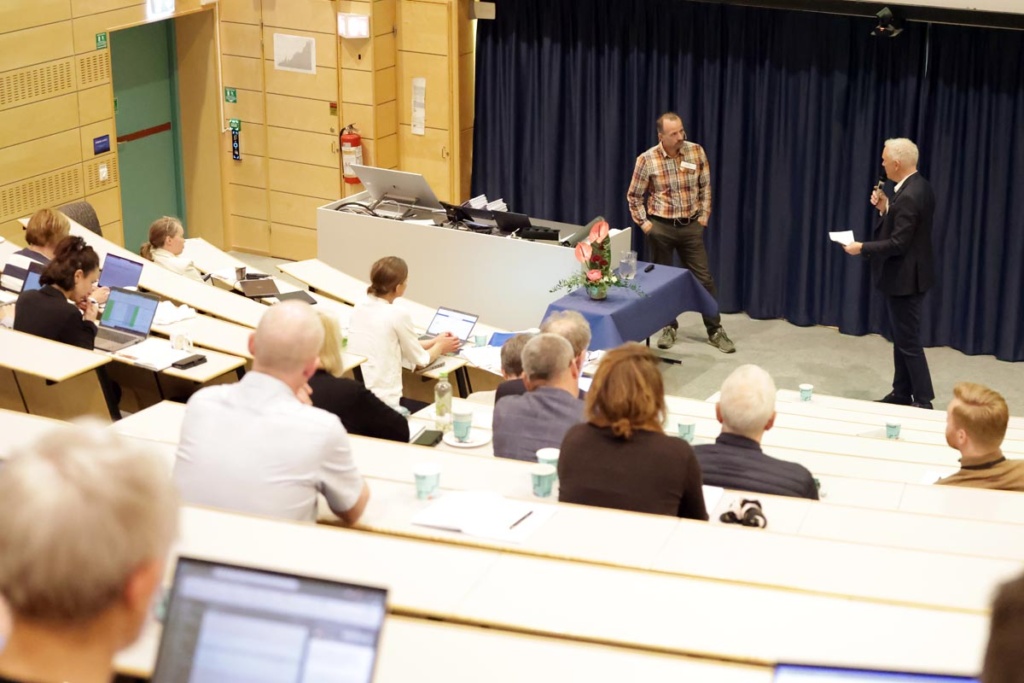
[{"x": 844, "y": 237}]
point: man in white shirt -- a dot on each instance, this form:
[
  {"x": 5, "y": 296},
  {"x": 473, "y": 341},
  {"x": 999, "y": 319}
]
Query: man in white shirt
[{"x": 258, "y": 446}]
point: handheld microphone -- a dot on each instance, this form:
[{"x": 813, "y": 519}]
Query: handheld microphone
[{"x": 881, "y": 182}]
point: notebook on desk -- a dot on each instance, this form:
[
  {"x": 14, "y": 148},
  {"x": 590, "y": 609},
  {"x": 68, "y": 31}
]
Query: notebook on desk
[
  {"x": 120, "y": 272},
  {"x": 127, "y": 319},
  {"x": 801, "y": 673},
  {"x": 231, "y": 623},
  {"x": 458, "y": 323}
]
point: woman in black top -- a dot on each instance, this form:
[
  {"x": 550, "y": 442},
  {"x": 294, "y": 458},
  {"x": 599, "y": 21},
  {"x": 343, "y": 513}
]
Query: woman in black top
[
  {"x": 621, "y": 458},
  {"x": 356, "y": 406},
  {"x": 62, "y": 310}
]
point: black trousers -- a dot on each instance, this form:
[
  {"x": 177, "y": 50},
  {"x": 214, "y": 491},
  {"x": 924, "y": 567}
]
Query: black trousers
[
  {"x": 666, "y": 239},
  {"x": 911, "y": 377}
]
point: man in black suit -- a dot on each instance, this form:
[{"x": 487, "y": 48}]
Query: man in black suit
[{"x": 902, "y": 267}]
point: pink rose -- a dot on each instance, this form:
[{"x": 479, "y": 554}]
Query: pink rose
[
  {"x": 598, "y": 232},
  {"x": 583, "y": 252},
  {"x": 594, "y": 275}
]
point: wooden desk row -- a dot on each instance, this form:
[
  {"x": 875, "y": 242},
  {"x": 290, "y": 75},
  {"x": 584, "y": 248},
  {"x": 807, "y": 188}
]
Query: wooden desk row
[{"x": 812, "y": 583}]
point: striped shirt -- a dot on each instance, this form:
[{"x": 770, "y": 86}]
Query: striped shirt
[
  {"x": 16, "y": 269},
  {"x": 677, "y": 187}
]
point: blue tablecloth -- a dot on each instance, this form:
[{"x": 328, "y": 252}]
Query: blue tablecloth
[{"x": 627, "y": 316}]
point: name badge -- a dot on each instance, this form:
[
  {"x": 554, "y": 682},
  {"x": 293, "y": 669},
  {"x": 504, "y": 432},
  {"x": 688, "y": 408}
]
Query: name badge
[{"x": 686, "y": 165}]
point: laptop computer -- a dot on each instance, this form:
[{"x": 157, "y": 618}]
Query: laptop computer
[
  {"x": 13, "y": 275},
  {"x": 458, "y": 323},
  {"x": 126, "y": 320},
  {"x": 802, "y": 673},
  {"x": 510, "y": 222},
  {"x": 298, "y": 295},
  {"x": 120, "y": 272},
  {"x": 258, "y": 289},
  {"x": 228, "y": 624},
  {"x": 35, "y": 270}
]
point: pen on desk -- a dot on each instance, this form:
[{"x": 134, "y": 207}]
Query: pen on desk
[{"x": 521, "y": 519}]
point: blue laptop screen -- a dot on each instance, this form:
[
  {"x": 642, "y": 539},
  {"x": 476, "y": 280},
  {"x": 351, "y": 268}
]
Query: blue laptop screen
[
  {"x": 129, "y": 311},
  {"x": 32, "y": 279},
  {"x": 120, "y": 272},
  {"x": 796, "y": 673}
]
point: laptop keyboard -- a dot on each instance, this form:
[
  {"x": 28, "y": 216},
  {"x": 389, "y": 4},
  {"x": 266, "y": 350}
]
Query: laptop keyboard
[{"x": 112, "y": 340}]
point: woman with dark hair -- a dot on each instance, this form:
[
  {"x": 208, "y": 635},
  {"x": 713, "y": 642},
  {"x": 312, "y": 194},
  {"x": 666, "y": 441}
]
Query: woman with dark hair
[
  {"x": 62, "y": 310},
  {"x": 621, "y": 457},
  {"x": 384, "y": 334}
]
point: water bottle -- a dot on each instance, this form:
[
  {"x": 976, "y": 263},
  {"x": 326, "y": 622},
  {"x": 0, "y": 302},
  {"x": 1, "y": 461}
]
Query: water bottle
[{"x": 443, "y": 404}]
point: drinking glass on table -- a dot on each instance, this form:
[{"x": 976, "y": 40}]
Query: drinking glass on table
[{"x": 627, "y": 265}]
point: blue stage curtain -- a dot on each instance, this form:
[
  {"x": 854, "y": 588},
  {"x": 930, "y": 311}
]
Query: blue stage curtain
[{"x": 793, "y": 109}]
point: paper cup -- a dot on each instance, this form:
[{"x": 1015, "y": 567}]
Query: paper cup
[
  {"x": 462, "y": 424},
  {"x": 480, "y": 340},
  {"x": 806, "y": 392},
  {"x": 687, "y": 431},
  {"x": 543, "y": 477},
  {"x": 428, "y": 480},
  {"x": 892, "y": 430}
]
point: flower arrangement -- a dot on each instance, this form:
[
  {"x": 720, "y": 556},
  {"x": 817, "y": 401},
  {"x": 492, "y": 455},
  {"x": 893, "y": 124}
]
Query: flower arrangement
[{"x": 596, "y": 275}]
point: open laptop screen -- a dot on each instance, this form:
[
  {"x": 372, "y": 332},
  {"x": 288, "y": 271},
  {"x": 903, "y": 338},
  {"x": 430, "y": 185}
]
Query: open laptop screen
[
  {"x": 120, "y": 272},
  {"x": 799, "y": 673},
  {"x": 458, "y": 323},
  {"x": 129, "y": 311},
  {"x": 35, "y": 270},
  {"x": 226, "y": 624}
]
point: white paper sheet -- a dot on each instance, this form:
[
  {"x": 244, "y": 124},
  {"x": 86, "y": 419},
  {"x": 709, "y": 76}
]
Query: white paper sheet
[
  {"x": 294, "y": 53},
  {"x": 154, "y": 353},
  {"x": 168, "y": 314},
  {"x": 484, "y": 514},
  {"x": 844, "y": 237},
  {"x": 419, "y": 106}
]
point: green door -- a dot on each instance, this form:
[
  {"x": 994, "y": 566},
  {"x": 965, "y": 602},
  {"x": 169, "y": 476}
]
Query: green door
[{"x": 148, "y": 137}]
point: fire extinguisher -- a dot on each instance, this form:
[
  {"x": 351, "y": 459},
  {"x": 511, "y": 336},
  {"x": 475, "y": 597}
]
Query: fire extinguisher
[{"x": 351, "y": 152}]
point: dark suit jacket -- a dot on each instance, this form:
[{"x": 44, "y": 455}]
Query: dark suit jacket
[
  {"x": 47, "y": 313},
  {"x": 901, "y": 253},
  {"x": 358, "y": 409},
  {"x": 736, "y": 462}
]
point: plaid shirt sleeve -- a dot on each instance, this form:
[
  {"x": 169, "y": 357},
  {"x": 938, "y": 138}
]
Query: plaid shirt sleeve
[
  {"x": 638, "y": 186},
  {"x": 703, "y": 185}
]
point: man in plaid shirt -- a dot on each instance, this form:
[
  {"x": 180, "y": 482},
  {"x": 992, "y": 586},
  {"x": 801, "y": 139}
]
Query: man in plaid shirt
[{"x": 670, "y": 199}]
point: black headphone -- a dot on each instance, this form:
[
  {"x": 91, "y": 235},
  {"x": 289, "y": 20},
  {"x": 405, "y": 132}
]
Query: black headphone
[{"x": 745, "y": 512}]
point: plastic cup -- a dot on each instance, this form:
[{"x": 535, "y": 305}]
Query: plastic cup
[
  {"x": 627, "y": 265},
  {"x": 543, "y": 477},
  {"x": 548, "y": 456},
  {"x": 687, "y": 431},
  {"x": 480, "y": 340},
  {"x": 806, "y": 392},
  {"x": 428, "y": 480},
  {"x": 892, "y": 430},
  {"x": 462, "y": 424}
]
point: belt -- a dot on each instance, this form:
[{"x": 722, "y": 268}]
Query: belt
[{"x": 676, "y": 221}]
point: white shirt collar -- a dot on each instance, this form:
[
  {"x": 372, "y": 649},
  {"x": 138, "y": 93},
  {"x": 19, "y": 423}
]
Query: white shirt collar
[{"x": 900, "y": 183}]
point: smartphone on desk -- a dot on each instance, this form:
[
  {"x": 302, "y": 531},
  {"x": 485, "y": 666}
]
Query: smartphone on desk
[
  {"x": 428, "y": 437},
  {"x": 189, "y": 361}
]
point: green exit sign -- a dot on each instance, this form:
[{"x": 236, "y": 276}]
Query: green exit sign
[
  {"x": 235, "y": 124},
  {"x": 101, "y": 41},
  {"x": 230, "y": 95}
]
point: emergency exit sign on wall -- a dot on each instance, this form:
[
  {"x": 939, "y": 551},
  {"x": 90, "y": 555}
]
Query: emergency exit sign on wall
[
  {"x": 101, "y": 41},
  {"x": 230, "y": 95}
]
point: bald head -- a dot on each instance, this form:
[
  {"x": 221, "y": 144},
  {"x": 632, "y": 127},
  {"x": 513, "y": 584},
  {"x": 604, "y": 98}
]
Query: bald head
[{"x": 287, "y": 340}]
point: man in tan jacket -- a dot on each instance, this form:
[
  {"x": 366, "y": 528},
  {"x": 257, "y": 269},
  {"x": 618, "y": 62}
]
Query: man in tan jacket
[{"x": 975, "y": 425}]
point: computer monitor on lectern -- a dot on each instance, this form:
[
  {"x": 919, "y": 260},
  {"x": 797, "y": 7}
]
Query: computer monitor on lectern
[{"x": 400, "y": 187}]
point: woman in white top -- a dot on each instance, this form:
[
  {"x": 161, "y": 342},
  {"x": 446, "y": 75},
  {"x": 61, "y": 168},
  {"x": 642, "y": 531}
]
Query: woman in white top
[
  {"x": 166, "y": 242},
  {"x": 384, "y": 334}
]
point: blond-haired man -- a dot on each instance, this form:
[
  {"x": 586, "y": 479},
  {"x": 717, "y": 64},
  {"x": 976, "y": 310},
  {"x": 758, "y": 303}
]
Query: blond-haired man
[
  {"x": 976, "y": 422},
  {"x": 86, "y": 523}
]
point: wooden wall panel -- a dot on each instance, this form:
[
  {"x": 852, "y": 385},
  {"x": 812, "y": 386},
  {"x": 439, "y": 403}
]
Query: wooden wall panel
[
  {"x": 303, "y": 15},
  {"x": 249, "y": 108},
  {"x": 39, "y": 156},
  {"x": 243, "y": 73},
  {"x": 96, "y": 104},
  {"x": 108, "y": 206},
  {"x": 250, "y": 235},
  {"x": 357, "y": 86},
  {"x": 467, "y": 89},
  {"x": 321, "y": 86},
  {"x": 356, "y": 54},
  {"x": 86, "y": 27},
  {"x": 290, "y": 242},
  {"x": 423, "y": 27},
  {"x": 249, "y": 202},
  {"x": 465, "y": 162},
  {"x": 81, "y": 8},
  {"x": 15, "y": 16},
  {"x": 250, "y": 171},
  {"x": 115, "y": 233},
  {"x": 38, "y": 119},
  {"x": 384, "y": 86},
  {"x": 36, "y": 83},
  {"x": 435, "y": 70},
  {"x": 384, "y": 51},
  {"x": 425, "y": 154},
  {"x": 384, "y": 17},
  {"x": 293, "y": 209},
  {"x": 362, "y": 115},
  {"x": 35, "y": 45},
  {"x": 241, "y": 11},
  {"x": 241, "y": 40},
  {"x": 303, "y": 147},
  {"x": 386, "y": 150},
  {"x": 299, "y": 113},
  {"x": 304, "y": 179}
]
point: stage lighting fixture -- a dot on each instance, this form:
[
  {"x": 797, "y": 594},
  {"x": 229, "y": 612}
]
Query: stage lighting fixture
[{"x": 889, "y": 24}]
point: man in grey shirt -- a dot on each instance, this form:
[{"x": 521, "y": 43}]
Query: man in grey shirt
[
  {"x": 258, "y": 446},
  {"x": 540, "y": 417}
]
